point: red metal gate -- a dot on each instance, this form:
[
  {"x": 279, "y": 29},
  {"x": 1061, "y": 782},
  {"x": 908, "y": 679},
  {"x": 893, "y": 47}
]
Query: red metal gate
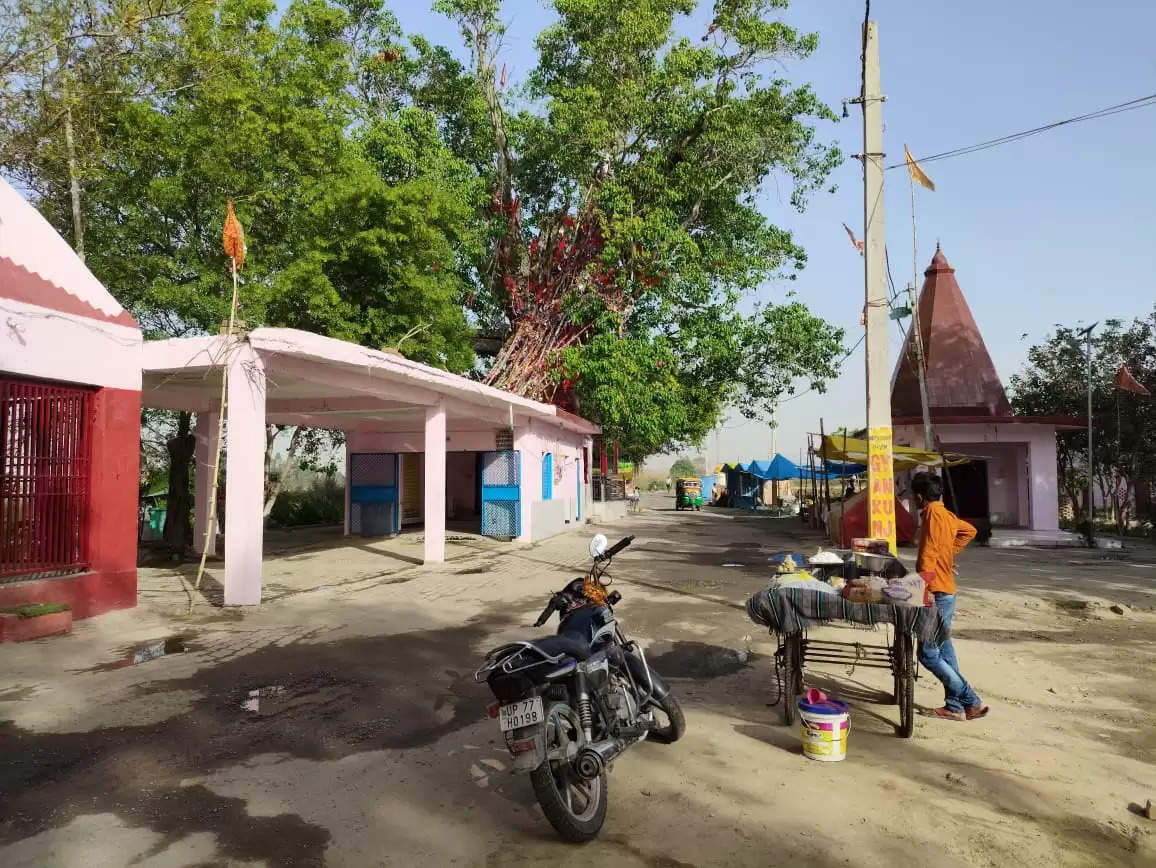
[{"x": 44, "y": 479}]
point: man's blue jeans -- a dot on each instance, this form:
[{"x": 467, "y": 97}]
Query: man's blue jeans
[{"x": 940, "y": 661}]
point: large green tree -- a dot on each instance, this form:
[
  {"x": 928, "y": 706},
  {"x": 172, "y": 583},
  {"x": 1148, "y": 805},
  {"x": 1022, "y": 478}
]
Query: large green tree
[
  {"x": 626, "y": 235},
  {"x": 65, "y": 71},
  {"x": 359, "y": 218},
  {"x": 1055, "y": 382}
]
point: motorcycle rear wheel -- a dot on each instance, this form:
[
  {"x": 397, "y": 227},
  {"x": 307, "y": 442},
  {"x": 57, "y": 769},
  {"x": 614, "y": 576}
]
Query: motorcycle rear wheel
[{"x": 575, "y": 807}]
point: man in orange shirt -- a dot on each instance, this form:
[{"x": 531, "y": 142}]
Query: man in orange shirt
[{"x": 941, "y": 538}]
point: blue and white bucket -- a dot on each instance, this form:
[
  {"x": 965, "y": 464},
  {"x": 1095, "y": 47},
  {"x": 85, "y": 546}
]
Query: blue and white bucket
[{"x": 825, "y": 727}]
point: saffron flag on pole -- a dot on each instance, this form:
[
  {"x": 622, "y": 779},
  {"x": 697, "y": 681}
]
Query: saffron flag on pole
[
  {"x": 917, "y": 173},
  {"x": 233, "y": 238},
  {"x": 858, "y": 244},
  {"x": 1125, "y": 381}
]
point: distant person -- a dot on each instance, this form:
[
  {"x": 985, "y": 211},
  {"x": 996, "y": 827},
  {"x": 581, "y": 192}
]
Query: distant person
[
  {"x": 850, "y": 492},
  {"x": 668, "y": 485},
  {"x": 943, "y": 536}
]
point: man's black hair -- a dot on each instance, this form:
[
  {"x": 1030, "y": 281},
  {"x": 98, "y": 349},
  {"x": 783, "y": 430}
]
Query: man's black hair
[{"x": 928, "y": 486}]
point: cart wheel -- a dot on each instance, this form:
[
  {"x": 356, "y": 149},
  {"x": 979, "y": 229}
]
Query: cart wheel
[{"x": 905, "y": 684}]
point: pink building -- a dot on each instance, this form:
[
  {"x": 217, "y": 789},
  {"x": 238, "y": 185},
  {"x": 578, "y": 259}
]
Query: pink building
[
  {"x": 1013, "y": 481},
  {"x": 424, "y": 447},
  {"x": 70, "y": 380}
]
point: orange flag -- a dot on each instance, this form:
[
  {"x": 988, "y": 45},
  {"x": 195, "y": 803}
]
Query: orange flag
[
  {"x": 917, "y": 174},
  {"x": 1128, "y": 383},
  {"x": 234, "y": 238},
  {"x": 858, "y": 244}
]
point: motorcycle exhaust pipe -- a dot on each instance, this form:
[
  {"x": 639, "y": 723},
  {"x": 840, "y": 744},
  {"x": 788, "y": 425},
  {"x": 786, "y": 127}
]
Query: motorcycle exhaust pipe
[{"x": 593, "y": 758}]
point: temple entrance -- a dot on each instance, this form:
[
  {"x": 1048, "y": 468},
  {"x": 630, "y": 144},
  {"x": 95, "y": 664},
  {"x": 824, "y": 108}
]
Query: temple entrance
[{"x": 969, "y": 485}]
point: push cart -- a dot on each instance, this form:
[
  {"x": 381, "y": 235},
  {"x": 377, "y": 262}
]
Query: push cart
[{"x": 789, "y": 612}]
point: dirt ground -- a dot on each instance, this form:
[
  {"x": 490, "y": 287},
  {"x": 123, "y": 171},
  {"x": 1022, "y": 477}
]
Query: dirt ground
[{"x": 340, "y": 723}]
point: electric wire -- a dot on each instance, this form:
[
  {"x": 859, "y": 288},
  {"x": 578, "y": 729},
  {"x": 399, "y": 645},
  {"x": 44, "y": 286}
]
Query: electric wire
[{"x": 1107, "y": 111}]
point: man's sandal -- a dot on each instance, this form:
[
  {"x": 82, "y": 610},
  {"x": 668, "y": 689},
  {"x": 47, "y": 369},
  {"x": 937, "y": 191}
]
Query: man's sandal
[
  {"x": 944, "y": 713},
  {"x": 977, "y": 711}
]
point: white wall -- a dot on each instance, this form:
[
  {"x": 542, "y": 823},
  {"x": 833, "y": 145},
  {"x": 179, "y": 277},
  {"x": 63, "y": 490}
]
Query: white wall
[
  {"x": 51, "y": 345},
  {"x": 533, "y": 438},
  {"x": 1026, "y": 463}
]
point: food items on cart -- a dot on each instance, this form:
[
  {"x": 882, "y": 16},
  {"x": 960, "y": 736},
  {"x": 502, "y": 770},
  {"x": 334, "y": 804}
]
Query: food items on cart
[
  {"x": 825, "y": 559},
  {"x": 866, "y": 589},
  {"x": 801, "y": 579},
  {"x": 787, "y": 562},
  {"x": 914, "y": 586},
  {"x": 871, "y": 546},
  {"x": 911, "y": 590}
]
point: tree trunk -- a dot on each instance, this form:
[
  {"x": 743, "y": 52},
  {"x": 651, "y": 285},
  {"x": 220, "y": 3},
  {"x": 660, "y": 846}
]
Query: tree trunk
[
  {"x": 273, "y": 488},
  {"x": 178, "y": 533},
  {"x": 73, "y": 166}
]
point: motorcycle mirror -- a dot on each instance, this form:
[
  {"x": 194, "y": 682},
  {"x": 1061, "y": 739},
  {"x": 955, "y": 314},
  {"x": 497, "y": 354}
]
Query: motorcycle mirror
[{"x": 598, "y": 545}]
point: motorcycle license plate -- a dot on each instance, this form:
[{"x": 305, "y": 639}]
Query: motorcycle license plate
[{"x": 525, "y": 712}]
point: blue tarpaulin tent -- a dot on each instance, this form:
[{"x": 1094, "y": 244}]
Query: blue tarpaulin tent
[{"x": 745, "y": 480}]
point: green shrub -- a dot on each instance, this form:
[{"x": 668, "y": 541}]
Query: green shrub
[
  {"x": 323, "y": 502},
  {"x": 35, "y": 610}
]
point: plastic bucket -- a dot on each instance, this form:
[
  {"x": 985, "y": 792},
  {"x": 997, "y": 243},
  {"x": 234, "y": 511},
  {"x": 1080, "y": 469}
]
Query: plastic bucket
[{"x": 825, "y": 727}]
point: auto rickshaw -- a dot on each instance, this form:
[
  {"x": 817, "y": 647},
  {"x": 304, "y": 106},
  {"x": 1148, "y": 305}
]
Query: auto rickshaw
[{"x": 688, "y": 494}]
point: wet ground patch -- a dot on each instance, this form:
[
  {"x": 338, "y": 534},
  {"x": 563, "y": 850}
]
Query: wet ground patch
[
  {"x": 308, "y": 700},
  {"x": 697, "y": 660}
]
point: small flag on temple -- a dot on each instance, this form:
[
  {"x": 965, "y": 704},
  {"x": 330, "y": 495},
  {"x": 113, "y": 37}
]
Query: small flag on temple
[
  {"x": 858, "y": 244},
  {"x": 917, "y": 173},
  {"x": 1125, "y": 381},
  {"x": 233, "y": 238}
]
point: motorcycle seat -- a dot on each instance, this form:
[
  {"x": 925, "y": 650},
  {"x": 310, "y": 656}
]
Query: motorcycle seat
[{"x": 568, "y": 645}]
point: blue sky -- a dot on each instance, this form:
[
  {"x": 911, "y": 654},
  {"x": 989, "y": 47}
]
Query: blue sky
[{"x": 1054, "y": 229}]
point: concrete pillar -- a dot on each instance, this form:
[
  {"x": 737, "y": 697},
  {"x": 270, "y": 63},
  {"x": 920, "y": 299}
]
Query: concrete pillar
[
  {"x": 529, "y": 445},
  {"x": 435, "y": 484},
  {"x": 347, "y": 486},
  {"x": 206, "y": 431},
  {"x": 244, "y": 477},
  {"x": 1045, "y": 507}
]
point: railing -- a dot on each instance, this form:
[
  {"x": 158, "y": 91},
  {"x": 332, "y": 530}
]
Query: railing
[
  {"x": 608, "y": 488},
  {"x": 44, "y": 479}
]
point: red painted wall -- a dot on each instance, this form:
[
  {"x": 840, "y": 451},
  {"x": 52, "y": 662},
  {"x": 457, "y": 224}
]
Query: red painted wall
[{"x": 112, "y": 519}]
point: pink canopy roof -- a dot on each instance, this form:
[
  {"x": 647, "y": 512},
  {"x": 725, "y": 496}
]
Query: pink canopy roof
[{"x": 38, "y": 267}]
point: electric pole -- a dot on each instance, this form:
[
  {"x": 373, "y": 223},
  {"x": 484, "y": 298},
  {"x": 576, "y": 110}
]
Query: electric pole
[
  {"x": 1087, "y": 333},
  {"x": 880, "y": 472}
]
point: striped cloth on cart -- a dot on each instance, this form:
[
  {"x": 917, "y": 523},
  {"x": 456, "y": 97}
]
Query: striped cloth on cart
[{"x": 792, "y": 610}]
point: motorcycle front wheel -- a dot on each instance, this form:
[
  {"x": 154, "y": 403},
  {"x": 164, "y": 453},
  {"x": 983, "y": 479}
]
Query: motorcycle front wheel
[
  {"x": 575, "y": 807},
  {"x": 669, "y": 717}
]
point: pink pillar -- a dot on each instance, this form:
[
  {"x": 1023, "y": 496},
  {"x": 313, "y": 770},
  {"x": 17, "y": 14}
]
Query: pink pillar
[
  {"x": 207, "y": 427},
  {"x": 245, "y": 477},
  {"x": 347, "y": 516},
  {"x": 529, "y": 445},
  {"x": 435, "y": 483},
  {"x": 1042, "y": 464}
]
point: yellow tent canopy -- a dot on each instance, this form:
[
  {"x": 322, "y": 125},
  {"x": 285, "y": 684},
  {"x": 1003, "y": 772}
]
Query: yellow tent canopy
[{"x": 854, "y": 450}]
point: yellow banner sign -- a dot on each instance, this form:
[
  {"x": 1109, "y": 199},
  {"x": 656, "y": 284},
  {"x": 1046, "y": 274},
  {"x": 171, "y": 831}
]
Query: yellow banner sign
[{"x": 881, "y": 483}]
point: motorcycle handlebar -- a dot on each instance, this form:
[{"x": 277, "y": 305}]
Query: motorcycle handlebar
[
  {"x": 554, "y": 605},
  {"x": 617, "y": 547},
  {"x": 546, "y": 613}
]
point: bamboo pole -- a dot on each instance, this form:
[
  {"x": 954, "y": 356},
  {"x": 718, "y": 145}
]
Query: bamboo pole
[{"x": 212, "y": 523}]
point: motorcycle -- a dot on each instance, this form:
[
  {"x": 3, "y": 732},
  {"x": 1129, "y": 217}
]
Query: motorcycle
[{"x": 570, "y": 704}]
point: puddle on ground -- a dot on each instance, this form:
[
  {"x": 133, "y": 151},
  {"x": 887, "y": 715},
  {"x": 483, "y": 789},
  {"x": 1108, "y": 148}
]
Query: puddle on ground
[
  {"x": 144, "y": 653},
  {"x": 253, "y": 703},
  {"x": 699, "y": 661},
  {"x": 316, "y": 695}
]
